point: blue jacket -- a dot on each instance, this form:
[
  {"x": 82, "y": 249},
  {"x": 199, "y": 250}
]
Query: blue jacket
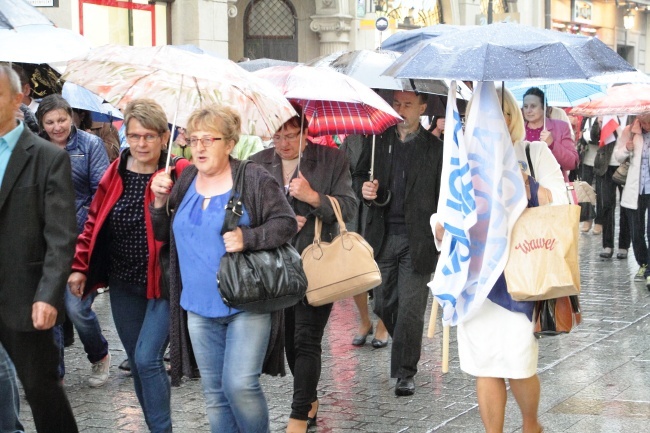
[{"x": 89, "y": 162}]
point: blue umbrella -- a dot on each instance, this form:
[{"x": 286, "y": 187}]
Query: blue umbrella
[
  {"x": 508, "y": 51},
  {"x": 84, "y": 99},
  {"x": 560, "y": 94},
  {"x": 402, "y": 41}
]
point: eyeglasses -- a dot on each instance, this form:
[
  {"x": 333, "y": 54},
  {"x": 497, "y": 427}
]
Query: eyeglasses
[
  {"x": 205, "y": 141},
  {"x": 288, "y": 137},
  {"x": 135, "y": 138}
]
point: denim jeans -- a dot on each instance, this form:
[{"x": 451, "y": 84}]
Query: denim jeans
[
  {"x": 9, "y": 398},
  {"x": 57, "y": 332},
  {"x": 84, "y": 319},
  {"x": 230, "y": 352},
  {"x": 143, "y": 327}
]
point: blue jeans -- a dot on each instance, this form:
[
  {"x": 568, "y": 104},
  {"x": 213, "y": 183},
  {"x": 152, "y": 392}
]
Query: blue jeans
[
  {"x": 230, "y": 352},
  {"x": 9, "y": 398},
  {"x": 84, "y": 319},
  {"x": 143, "y": 327}
]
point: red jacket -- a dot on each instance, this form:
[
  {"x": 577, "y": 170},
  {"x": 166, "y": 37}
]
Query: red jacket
[{"x": 92, "y": 256}]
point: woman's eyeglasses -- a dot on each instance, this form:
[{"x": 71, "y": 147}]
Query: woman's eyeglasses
[
  {"x": 205, "y": 141},
  {"x": 288, "y": 137},
  {"x": 135, "y": 138}
]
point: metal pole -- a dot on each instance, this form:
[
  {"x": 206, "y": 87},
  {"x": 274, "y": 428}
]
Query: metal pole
[
  {"x": 489, "y": 12},
  {"x": 547, "y": 14}
]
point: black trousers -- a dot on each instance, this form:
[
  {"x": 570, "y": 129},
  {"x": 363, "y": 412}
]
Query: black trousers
[
  {"x": 400, "y": 302},
  {"x": 587, "y": 210},
  {"x": 637, "y": 218},
  {"x": 36, "y": 359},
  {"x": 606, "y": 205},
  {"x": 304, "y": 328}
]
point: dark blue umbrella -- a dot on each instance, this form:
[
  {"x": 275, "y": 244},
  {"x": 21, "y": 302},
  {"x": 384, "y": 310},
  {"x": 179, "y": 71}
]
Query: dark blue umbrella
[
  {"x": 402, "y": 41},
  {"x": 508, "y": 51}
]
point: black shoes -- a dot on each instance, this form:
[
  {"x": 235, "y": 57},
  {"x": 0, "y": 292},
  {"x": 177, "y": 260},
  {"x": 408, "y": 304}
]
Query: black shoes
[
  {"x": 405, "y": 387},
  {"x": 360, "y": 340},
  {"x": 607, "y": 253},
  {"x": 378, "y": 344}
]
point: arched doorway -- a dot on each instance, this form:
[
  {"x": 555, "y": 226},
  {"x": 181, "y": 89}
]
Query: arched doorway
[{"x": 271, "y": 30}]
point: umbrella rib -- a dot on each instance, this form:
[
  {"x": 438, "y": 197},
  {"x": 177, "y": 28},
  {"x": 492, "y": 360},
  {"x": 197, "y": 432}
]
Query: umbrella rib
[{"x": 198, "y": 90}]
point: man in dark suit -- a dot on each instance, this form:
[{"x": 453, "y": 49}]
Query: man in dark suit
[
  {"x": 407, "y": 168},
  {"x": 38, "y": 232}
]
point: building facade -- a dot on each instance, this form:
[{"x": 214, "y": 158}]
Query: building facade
[{"x": 300, "y": 30}]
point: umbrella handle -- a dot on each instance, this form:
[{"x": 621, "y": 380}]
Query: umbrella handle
[{"x": 171, "y": 135}]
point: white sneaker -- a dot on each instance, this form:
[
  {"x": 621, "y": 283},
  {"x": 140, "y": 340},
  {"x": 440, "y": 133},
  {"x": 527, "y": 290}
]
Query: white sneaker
[{"x": 99, "y": 375}]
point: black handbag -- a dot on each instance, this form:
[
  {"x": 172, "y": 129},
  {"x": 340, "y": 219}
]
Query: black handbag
[{"x": 259, "y": 281}]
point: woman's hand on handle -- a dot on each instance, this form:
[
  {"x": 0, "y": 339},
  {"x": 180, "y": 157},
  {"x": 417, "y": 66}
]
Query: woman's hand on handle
[
  {"x": 161, "y": 186},
  {"x": 234, "y": 241}
]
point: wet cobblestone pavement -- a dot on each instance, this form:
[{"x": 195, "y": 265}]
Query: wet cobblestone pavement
[{"x": 596, "y": 379}]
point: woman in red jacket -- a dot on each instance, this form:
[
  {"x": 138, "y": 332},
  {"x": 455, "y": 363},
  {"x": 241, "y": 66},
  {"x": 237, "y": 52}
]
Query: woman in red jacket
[{"x": 117, "y": 249}]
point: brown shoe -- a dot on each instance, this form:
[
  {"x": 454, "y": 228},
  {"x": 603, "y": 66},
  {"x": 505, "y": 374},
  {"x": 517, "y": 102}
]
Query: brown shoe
[
  {"x": 598, "y": 229},
  {"x": 585, "y": 226}
]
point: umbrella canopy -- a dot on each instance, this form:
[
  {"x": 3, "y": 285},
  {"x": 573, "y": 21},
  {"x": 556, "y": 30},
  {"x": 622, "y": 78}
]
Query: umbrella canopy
[
  {"x": 619, "y": 101},
  {"x": 366, "y": 66},
  {"x": 44, "y": 80},
  {"x": 508, "y": 51},
  {"x": 180, "y": 81},
  {"x": 402, "y": 41},
  {"x": 263, "y": 63},
  {"x": 28, "y": 36},
  {"x": 562, "y": 94},
  {"x": 84, "y": 99},
  {"x": 333, "y": 102}
]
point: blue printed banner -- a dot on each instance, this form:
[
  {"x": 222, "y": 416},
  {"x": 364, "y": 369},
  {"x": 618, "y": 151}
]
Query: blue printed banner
[{"x": 481, "y": 197}]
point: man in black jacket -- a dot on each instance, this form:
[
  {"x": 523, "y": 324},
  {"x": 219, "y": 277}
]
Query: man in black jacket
[
  {"x": 407, "y": 168},
  {"x": 38, "y": 232}
]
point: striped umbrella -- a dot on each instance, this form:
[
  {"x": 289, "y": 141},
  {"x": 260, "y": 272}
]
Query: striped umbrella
[{"x": 332, "y": 102}]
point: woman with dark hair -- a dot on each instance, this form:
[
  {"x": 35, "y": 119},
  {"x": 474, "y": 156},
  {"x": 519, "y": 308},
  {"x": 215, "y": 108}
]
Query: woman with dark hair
[
  {"x": 309, "y": 173},
  {"x": 555, "y": 133},
  {"x": 117, "y": 249},
  {"x": 89, "y": 162}
]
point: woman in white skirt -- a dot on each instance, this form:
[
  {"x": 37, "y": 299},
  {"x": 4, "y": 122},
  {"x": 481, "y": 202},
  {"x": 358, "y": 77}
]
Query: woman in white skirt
[{"x": 497, "y": 342}]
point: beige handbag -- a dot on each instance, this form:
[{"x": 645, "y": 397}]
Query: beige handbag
[
  {"x": 339, "y": 269},
  {"x": 543, "y": 260}
]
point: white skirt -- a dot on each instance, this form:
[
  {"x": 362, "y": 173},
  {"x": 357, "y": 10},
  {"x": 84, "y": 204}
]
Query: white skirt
[{"x": 497, "y": 342}]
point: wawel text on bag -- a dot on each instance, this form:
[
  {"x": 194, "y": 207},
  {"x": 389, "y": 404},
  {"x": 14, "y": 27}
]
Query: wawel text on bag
[{"x": 536, "y": 244}]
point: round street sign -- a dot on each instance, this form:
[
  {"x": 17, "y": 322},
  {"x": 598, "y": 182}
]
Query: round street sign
[{"x": 381, "y": 23}]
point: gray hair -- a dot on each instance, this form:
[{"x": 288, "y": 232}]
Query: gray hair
[{"x": 12, "y": 76}]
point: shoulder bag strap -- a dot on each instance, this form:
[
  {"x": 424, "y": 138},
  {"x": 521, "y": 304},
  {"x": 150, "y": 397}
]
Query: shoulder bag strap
[
  {"x": 319, "y": 223},
  {"x": 530, "y": 161},
  {"x": 235, "y": 202}
]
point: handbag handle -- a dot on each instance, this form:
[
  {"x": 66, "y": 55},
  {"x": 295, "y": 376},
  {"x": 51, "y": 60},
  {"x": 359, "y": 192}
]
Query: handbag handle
[{"x": 339, "y": 217}]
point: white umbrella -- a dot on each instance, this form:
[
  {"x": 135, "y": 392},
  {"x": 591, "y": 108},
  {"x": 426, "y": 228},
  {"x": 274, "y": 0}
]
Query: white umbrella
[{"x": 27, "y": 36}]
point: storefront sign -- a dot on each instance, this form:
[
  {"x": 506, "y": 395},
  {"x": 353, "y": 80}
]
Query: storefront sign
[{"x": 582, "y": 11}]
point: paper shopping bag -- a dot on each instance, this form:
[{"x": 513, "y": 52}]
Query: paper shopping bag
[{"x": 543, "y": 260}]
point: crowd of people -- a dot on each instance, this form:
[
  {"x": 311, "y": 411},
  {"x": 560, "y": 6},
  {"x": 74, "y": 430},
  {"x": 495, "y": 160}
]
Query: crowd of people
[{"x": 78, "y": 216}]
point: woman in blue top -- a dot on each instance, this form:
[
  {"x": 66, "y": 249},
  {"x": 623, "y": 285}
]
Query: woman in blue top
[{"x": 229, "y": 345}]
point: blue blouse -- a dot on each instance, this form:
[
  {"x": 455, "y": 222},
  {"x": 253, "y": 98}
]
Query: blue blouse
[{"x": 200, "y": 246}]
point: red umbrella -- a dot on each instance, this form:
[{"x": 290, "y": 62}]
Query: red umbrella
[
  {"x": 619, "y": 101},
  {"x": 334, "y": 103}
]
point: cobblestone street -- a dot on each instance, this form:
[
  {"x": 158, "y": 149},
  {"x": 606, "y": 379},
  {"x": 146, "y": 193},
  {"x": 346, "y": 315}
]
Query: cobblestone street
[{"x": 597, "y": 379}]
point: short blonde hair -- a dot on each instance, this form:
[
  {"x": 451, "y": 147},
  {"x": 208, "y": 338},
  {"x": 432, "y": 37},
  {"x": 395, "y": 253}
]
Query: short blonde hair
[
  {"x": 511, "y": 107},
  {"x": 148, "y": 112},
  {"x": 220, "y": 118}
]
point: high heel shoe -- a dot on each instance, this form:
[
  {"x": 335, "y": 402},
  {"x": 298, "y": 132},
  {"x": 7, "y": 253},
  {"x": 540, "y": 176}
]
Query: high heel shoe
[
  {"x": 311, "y": 420},
  {"x": 359, "y": 339}
]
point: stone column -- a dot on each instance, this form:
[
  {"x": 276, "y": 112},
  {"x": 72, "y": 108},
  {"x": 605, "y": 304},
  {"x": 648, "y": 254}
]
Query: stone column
[{"x": 333, "y": 24}]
